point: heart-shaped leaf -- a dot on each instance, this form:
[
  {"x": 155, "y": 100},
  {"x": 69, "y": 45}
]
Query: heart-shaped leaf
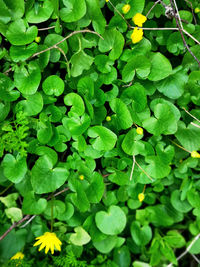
[
  {"x": 81, "y": 237},
  {"x": 112, "y": 222}
]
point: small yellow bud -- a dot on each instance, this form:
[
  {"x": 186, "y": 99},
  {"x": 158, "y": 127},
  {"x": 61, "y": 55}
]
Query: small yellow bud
[
  {"x": 139, "y": 130},
  {"x": 141, "y": 197},
  {"x": 108, "y": 118},
  {"x": 195, "y": 154},
  {"x": 126, "y": 8},
  {"x": 197, "y": 10},
  {"x": 81, "y": 177},
  {"x": 37, "y": 39}
]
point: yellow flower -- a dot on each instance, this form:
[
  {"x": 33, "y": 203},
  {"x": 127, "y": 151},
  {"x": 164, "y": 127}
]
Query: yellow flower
[
  {"x": 139, "y": 19},
  {"x": 141, "y": 197},
  {"x": 48, "y": 240},
  {"x": 81, "y": 177},
  {"x": 197, "y": 10},
  {"x": 195, "y": 154},
  {"x": 107, "y": 0},
  {"x": 139, "y": 130},
  {"x": 108, "y": 118},
  {"x": 137, "y": 35},
  {"x": 18, "y": 256},
  {"x": 37, "y": 39},
  {"x": 126, "y": 8}
]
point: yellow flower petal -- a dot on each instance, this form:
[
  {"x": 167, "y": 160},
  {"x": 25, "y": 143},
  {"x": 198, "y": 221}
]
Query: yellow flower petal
[
  {"x": 195, "y": 154},
  {"x": 136, "y": 35},
  {"x": 139, "y": 19},
  {"x": 48, "y": 241},
  {"x": 18, "y": 256}
]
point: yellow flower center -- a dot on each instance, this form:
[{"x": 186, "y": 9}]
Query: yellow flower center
[
  {"x": 126, "y": 8},
  {"x": 37, "y": 39},
  {"x": 108, "y": 118},
  {"x": 18, "y": 256},
  {"x": 137, "y": 35},
  {"x": 195, "y": 154},
  {"x": 139, "y": 130},
  {"x": 81, "y": 177},
  {"x": 139, "y": 19},
  {"x": 141, "y": 197}
]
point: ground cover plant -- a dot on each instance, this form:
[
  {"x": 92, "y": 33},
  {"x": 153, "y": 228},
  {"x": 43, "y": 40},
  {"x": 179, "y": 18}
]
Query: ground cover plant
[{"x": 99, "y": 133}]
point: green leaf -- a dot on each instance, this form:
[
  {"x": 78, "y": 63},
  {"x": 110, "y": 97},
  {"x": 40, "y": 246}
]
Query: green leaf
[
  {"x": 141, "y": 235},
  {"x": 178, "y": 204},
  {"x": 137, "y": 64},
  {"x": 32, "y": 206},
  {"x": 76, "y": 102},
  {"x": 105, "y": 139},
  {"x": 15, "y": 214},
  {"x": 32, "y": 105},
  {"x": 173, "y": 85},
  {"x": 19, "y": 34},
  {"x": 123, "y": 116},
  {"x": 164, "y": 121},
  {"x": 96, "y": 188},
  {"x": 53, "y": 85},
  {"x": 112, "y": 222},
  {"x": 157, "y": 72},
  {"x": 103, "y": 63},
  {"x": 189, "y": 137},
  {"x": 14, "y": 168},
  {"x": 95, "y": 14},
  {"x": 188, "y": 59},
  {"x": 45, "y": 178},
  {"x": 131, "y": 144},
  {"x": 43, "y": 13},
  {"x": 174, "y": 239},
  {"x": 119, "y": 178},
  {"x": 105, "y": 245},
  {"x": 11, "y": 8},
  {"x": 6, "y": 89},
  {"x": 52, "y": 39},
  {"x": 10, "y": 200},
  {"x": 21, "y": 53},
  {"x": 70, "y": 12},
  {"x": 77, "y": 125},
  {"x": 80, "y": 238},
  {"x": 137, "y": 6},
  {"x": 114, "y": 41},
  {"x": 80, "y": 61},
  {"x": 27, "y": 80},
  {"x": 122, "y": 256},
  {"x": 195, "y": 248}
]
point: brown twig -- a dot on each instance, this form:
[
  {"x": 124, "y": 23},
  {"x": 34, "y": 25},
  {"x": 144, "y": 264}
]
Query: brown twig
[
  {"x": 29, "y": 217},
  {"x": 158, "y": 1},
  {"x": 191, "y": 6},
  {"x": 13, "y": 226},
  {"x": 191, "y": 115},
  {"x": 180, "y": 27},
  {"x": 143, "y": 171}
]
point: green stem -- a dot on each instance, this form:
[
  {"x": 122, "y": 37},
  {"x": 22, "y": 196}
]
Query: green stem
[
  {"x": 2, "y": 192},
  {"x": 52, "y": 204}
]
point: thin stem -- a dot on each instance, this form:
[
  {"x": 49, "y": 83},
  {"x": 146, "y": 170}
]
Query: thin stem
[
  {"x": 67, "y": 62},
  {"x": 132, "y": 169},
  {"x": 52, "y": 220},
  {"x": 186, "y": 251},
  {"x": 180, "y": 146},
  {"x": 64, "y": 39},
  {"x": 2, "y": 192},
  {"x": 191, "y": 115},
  {"x": 152, "y": 8},
  {"x": 194, "y": 124},
  {"x": 46, "y": 29},
  {"x": 191, "y": 6},
  {"x": 144, "y": 189},
  {"x": 180, "y": 26},
  {"x": 143, "y": 171},
  {"x": 119, "y": 13}
]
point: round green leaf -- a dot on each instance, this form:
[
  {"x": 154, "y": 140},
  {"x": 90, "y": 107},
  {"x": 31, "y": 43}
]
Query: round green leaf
[
  {"x": 45, "y": 178},
  {"x": 80, "y": 238},
  {"x": 140, "y": 235},
  {"x": 27, "y": 80},
  {"x": 112, "y": 222},
  {"x": 18, "y": 34},
  {"x": 160, "y": 67},
  {"x": 105, "y": 138},
  {"x": 73, "y": 10},
  {"x": 178, "y": 204},
  {"x": 32, "y": 206},
  {"x": 14, "y": 168},
  {"x": 21, "y": 53},
  {"x": 43, "y": 13},
  {"x": 53, "y": 85},
  {"x": 32, "y": 105},
  {"x": 76, "y": 102}
]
